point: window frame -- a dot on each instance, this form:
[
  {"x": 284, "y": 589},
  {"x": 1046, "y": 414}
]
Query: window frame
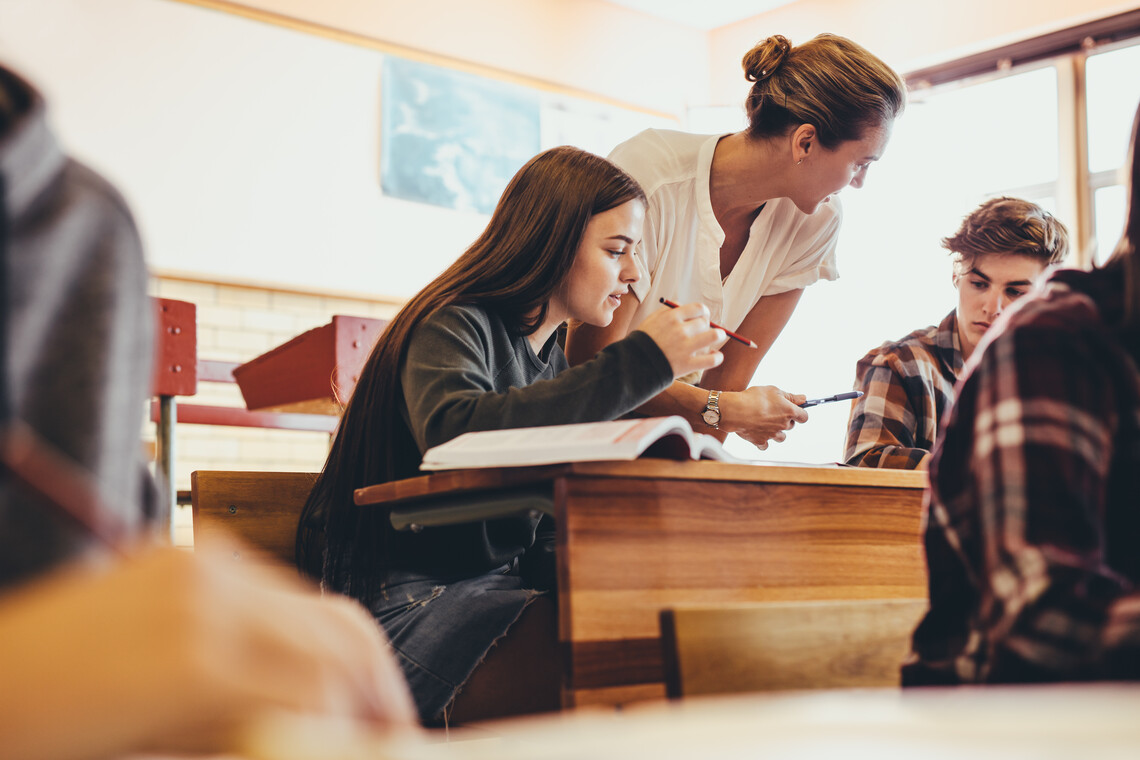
[{"x": 1067, "y": 50}]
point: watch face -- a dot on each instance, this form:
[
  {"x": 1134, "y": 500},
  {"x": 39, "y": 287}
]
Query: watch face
[{"x": 710, "y": 416}]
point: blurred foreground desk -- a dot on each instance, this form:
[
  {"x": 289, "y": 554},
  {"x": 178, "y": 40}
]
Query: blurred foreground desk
[
  {"x": 636, "y": 537},
  {"x": 1056, "y": 722}
]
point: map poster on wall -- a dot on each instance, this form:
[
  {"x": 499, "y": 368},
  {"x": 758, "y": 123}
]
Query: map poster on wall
[{"x": 451, "y": 138}]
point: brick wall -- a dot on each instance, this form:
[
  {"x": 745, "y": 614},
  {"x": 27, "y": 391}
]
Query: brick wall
[{"x": 237, "y": 322}]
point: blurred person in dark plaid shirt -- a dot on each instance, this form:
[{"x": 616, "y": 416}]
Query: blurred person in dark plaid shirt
[
  {"x": 1001, "y": 249},
  {"x": 1033, "y": 523}
]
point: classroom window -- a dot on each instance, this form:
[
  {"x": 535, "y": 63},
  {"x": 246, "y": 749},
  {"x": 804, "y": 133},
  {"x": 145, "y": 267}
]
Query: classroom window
[{"x": 1113, "y": 91}]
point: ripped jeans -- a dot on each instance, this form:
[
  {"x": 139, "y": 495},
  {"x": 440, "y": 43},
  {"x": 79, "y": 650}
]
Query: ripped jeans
[{"x": 441, "y": 628}]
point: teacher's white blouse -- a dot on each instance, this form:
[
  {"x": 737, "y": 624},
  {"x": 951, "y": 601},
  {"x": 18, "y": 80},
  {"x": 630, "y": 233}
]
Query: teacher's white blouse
[{"x": 679, "y": 257}]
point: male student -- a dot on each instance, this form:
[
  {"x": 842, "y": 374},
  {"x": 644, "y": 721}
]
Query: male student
[{"x": 998, "y": 252}]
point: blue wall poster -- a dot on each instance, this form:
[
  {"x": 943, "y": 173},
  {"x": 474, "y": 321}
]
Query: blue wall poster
[{"x": 451, "y": 138}]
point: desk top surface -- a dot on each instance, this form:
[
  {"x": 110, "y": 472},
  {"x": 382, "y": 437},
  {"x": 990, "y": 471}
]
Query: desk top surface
[
  {"x": 456, "y": 481},
  {"x": 980, "y": 723}
]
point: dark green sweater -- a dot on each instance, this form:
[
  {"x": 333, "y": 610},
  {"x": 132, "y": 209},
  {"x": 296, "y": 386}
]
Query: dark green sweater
[{"x": 466, "y": 371}]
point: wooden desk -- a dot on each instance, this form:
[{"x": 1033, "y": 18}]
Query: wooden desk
[
  {"x": 1044, "y": 722},
  {"x": 1047, "y": 722},
  {"x": 635, "y": 537}
]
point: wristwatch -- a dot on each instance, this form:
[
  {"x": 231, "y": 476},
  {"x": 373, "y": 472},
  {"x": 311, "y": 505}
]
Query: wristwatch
[{"x": 711, "y": 413}]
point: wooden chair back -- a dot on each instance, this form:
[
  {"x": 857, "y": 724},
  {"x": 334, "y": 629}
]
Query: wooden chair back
[
  {"x": 770, "y": 646},
  {"x": 261, "y": 509},
  {"x": 178, "y": 370}
]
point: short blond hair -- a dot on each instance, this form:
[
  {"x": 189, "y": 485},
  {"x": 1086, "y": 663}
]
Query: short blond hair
[{"x": 1008, "y": 225}]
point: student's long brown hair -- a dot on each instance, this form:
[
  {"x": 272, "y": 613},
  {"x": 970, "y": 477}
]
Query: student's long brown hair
[{"x": 513, "y": 268}]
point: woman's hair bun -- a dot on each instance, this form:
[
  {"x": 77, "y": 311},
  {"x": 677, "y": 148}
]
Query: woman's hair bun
[{"x": 762, "y": 60}]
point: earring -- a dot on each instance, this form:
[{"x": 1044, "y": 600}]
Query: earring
[{"x": 799, "y": 162}]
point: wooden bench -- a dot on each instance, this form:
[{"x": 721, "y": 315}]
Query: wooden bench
[
  {"x": 770, "y": 646},
  {"x": 261, "y": 509}
]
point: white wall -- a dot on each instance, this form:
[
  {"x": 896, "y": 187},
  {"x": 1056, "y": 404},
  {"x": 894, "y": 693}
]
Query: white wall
[
  {"x": 245, "y": 150},
  {"x": 588, "y": 45},
  {"x": 248, "y": 150}
]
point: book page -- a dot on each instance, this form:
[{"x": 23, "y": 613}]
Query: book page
[
  {"x": 709, "y": 447},
  {"x": 578, "y": 442}
]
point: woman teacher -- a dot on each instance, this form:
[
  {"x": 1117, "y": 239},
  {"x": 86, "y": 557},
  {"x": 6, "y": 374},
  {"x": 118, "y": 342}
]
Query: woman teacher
[{"x": 743, "y": 222}]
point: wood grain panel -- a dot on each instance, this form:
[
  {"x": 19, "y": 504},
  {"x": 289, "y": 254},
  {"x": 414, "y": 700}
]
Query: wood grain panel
[
  {"x": 788, "y": 645},
  {"x": 262, "y": 509},
  {"x": 630, "y": 547},
  {"x": 601, "y": 664},
  {"x": 614, "y": 615},
  {"x": 615, "y": 696},
  {"x": 455, "y": 481},
  {"x": 647, "y": 535}
]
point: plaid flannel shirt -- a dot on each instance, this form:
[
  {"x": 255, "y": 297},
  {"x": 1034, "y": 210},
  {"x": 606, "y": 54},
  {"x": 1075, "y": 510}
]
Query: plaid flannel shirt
[
  {"x": 1032, "y": 528},
  {"x": 907, "y": 386}
]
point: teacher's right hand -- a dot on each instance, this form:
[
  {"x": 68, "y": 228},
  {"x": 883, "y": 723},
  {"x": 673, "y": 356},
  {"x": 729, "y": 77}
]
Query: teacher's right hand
[
  {"x": 762, "y": 414},
  {"x": 683, "y": 334}
]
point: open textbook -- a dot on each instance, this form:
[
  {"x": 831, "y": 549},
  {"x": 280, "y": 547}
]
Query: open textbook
[{"x": 664, "y": 437}]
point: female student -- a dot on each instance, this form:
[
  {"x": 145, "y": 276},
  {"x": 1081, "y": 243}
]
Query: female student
[
  {"x": 1001, "y": 249},
  {"x": 477, "y": 350},
  {"x": 1033, "y": 527},
  {"x": 744, "y": 222}
]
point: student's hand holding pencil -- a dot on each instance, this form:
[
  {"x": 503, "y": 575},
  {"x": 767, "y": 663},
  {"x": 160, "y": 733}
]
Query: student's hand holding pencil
[{"x": 686, "y": 338}]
